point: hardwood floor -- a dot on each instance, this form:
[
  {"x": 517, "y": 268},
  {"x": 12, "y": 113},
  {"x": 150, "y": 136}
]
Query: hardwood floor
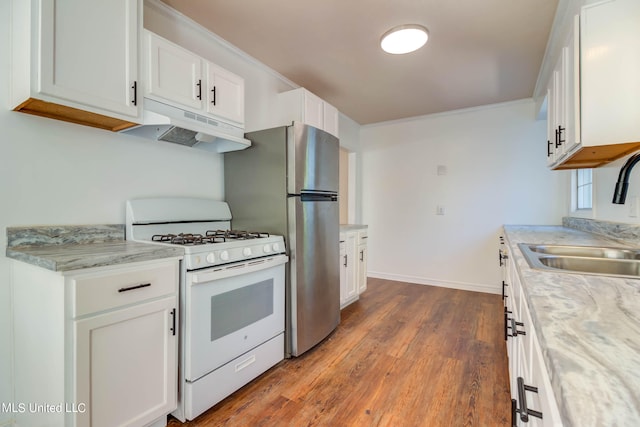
[{"x": 404, "y": 355}]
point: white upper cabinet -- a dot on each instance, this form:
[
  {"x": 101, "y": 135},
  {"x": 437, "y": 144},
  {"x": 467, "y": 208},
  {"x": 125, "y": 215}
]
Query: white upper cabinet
[
  {"x": 597, "y": 101},
  {"x": 172, "y": 73},
  {"x": 179, "y": 77},
  {"x": 303, "y": 106},
  {"x": 78, "y": 56},
  {"x": 225, "y": 93}
]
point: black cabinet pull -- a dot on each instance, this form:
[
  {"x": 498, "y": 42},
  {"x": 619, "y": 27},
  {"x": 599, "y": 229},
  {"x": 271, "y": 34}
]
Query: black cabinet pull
[
  {"x": 514, "y": 328},
  {"x": 504, "y": 284},
  {"x": 345, "y": 260},
  {"x": 501, "y": 257},
  {"x": 361, "y": 255},
  {"x": 560, "y": 140},
  {"x": 213, "y": 101},
  {"x": 522, "y": 397},
  {"x": 173, "y": 322},
  {"x": 199, "y": 84},
  {"x": 130, "y": 288},
  {"x": 135, "y": 93},
  {"x": 514, "y": 411},
  {"x": 506, "y": 323},
  {"x": 549, "y": 148}
]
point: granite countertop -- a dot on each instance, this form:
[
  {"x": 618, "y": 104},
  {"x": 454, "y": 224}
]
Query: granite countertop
[
  {"x": 352, "y": 227},
  {"x": 67, "y": 248},
  {"x": 588, "y": 328}
]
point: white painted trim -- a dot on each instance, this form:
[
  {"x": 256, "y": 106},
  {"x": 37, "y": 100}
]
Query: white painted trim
[
  {"x": 184, "y": 20},
  {"x": 474, "y": 287},
  {"x": 449, "y": 113}
]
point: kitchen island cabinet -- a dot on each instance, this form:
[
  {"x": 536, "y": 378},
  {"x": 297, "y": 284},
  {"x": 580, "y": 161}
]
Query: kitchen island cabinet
[
  {"x": 96, "y": 332},
  {"x": 581, "y": 337}
]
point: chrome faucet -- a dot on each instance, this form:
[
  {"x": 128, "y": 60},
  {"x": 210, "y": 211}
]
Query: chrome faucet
[{"x": 620, "y": 193}]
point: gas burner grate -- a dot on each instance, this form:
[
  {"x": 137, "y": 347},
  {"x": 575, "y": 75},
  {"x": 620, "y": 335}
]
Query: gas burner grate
[
  {"x": 187, "y": 239},
  {"x": 237, "y": 234}
]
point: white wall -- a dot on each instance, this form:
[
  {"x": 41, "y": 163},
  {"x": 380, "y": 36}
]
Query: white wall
[
  {"x": 605, "y": 178},
  {"x": 496, "y": 174}
]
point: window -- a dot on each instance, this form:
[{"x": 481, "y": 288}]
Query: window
[{"x": 583, "y": 189}]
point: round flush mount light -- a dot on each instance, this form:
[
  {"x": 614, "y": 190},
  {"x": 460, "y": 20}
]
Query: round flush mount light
[{"x": 404, "y": 39}]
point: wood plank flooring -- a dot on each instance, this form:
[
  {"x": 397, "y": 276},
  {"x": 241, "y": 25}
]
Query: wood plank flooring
[{"x": 404, "y": 355}]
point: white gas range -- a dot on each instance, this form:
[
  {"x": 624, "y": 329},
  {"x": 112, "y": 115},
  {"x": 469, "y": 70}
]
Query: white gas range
[{"x": 232, "y": 295}]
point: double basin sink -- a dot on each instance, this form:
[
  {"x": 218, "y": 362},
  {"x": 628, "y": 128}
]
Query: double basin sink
[{"x": 607, "y": 261}]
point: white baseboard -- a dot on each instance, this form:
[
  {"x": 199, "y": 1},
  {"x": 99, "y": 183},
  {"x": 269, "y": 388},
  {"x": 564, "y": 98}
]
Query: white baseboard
[{"x": 475, "y": 287}]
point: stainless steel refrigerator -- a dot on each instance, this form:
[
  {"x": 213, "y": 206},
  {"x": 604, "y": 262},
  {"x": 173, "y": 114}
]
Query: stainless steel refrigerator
[{"x": 286, "y": 183}]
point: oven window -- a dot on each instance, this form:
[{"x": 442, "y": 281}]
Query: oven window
[{"x": 236, "y": 309}]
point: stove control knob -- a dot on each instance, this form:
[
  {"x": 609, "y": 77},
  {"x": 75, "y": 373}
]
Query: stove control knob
[
  {"x": 211, "y": 258},
  {"x": 276, "y": 247},
  {"x": 246, "y": 251},
  {"x": 266, "y": 249},
  {"x": 224, "y": 255}
]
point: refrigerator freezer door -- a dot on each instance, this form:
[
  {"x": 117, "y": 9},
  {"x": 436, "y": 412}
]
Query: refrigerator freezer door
[
  {"x": 313, "y": 160},
  {"x": 314, "y": 293}
]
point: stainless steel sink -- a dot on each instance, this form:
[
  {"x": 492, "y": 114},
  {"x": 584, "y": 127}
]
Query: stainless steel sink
[
  {"x": 607, "y": 261},
  {"x": 587, "y": 251}
]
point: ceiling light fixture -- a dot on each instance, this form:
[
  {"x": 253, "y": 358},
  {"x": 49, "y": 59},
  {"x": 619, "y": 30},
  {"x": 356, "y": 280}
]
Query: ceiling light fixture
[{"x": 404, "y": 39}]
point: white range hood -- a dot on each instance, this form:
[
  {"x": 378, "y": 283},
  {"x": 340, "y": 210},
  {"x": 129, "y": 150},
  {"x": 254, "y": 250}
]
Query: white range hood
[{"x": 164, "y": 122}]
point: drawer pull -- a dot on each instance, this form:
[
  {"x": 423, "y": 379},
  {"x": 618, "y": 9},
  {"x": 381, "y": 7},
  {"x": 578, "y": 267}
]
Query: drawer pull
[
  {"x": 249, "y": 361},
  {"x": 130, "y": 288},
  {"x": 173, "y": 322},
  {"x": 522, "y": 397}
]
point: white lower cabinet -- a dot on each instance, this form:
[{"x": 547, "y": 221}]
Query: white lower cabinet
[
  {"x": 348, "y": 285},
  {"x": 533, "y": 401},
  {"x": 362, "y": 261},
  {"x": 99, "y": 346},
  {"x": 353, "y": 265}
]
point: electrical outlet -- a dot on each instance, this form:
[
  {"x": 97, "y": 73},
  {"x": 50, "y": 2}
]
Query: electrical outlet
[{"x": 439, "y": 210}]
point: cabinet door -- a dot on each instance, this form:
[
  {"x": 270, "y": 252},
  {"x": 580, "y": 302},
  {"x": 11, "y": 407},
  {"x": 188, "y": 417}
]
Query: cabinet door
[
  {"x": 571, "y": 77},
  {"x": 225, "y": 93},
  {"x": 126, "y": 365},
  {"x": 343, "y": 271},
  {"x": 330, "y": 119},
  {"x": 313, "y": 108},
  {"x": 609, "y": 69},
  {"x": 173, "y": 73},
  {"x": 352, "y": 287},
  {"x": 89, "y": 53},
  {"x": 362, "y": 268},
  {"x": 553, "y": 117}
]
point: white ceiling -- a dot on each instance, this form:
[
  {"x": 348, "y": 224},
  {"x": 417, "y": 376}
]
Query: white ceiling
[{"x": 479, "y": 51}]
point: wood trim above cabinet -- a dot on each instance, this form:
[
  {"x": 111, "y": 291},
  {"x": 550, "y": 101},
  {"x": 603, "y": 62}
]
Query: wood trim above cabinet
[
  {"x": 52, "y": 110},
  {"x": 595, "y": 156}
]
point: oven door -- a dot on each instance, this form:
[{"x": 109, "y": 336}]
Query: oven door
[{"x": 231, "y": 309}]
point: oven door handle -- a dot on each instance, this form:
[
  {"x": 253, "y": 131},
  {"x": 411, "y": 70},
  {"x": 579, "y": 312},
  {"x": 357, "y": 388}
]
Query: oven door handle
[{"x": 249, "y": 266}]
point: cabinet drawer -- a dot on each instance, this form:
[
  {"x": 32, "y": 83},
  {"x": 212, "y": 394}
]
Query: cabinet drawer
[{"x": 111, "y": 289}]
